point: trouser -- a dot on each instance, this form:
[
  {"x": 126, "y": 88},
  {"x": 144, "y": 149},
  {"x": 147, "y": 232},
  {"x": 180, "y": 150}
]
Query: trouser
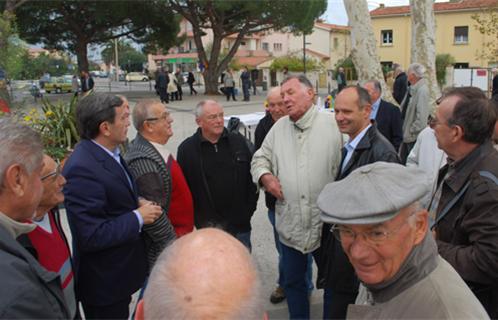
[
  {"x": 229, "y": 91},
  {"x": 179, "y": 92},
  {"x": 278, "y": 246},
  {"x": 163, "y": 95},
  {"x": 335, "y": 304},
  {"x": 295, "y": 265},
  {"x": 404, "y": 151},
  {"x": 192, "y": 90},
  {"x": 245, "y": 89},
  {"x": 117, "y": 310}
]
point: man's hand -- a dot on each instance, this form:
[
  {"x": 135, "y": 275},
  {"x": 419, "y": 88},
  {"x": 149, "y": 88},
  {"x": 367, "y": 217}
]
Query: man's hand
[
  {"x": 272, "y": 185},
  {"x": 149, "y": 212}
]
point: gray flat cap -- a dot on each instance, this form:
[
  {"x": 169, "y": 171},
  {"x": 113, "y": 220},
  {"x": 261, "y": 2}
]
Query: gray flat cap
[{"x": 372, "y": 194}]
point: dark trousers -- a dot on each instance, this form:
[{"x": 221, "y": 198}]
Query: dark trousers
[
  {"x": 229, "y": 91},
  {"x": 192, "y": 90},
  {"x": 404, "y": 151},
  {"x": 335, "y": 304},
  {"x": 295, "y": 266},
  {"x": 163, "y": 95},
  {"x": 245, "y": 89},
  {"x": 118, "y": 310},
  {"x": 179, "y": 93}
]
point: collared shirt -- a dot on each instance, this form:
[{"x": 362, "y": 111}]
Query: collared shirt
[
  {"x": 352, "y": 144},
  {"x": 115, "y": 155},
  {"x": 375, "y": 109}
]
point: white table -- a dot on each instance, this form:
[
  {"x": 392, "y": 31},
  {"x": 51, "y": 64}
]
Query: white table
[{"x": 248, "y": 122}]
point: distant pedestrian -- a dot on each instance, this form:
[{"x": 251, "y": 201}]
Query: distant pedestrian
[
  {"x": 400, "y": 85},
  {"x": 245, "y": 77},
  {"x": 341, "y": 79},
  {"x": 86, "y": 82},
  {"x": 179, "y": 83},
  {"x": 254, "y": 78},
  {"x": 172, "y": 87},
  {"x": 75, "y": 86},
  {"x": 190, "y": 81},
  {"x": 229, "y": 83},
  {"x": 162, "y": 81}
]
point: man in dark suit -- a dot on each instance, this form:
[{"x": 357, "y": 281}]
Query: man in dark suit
[
  {"x": 86, "y": 82},
  {"x": 400, "y": 85},
  {"x": 104, "y": 212},
  {"x": 386, "y": 115},
  {"x": 366, "y": 145}
]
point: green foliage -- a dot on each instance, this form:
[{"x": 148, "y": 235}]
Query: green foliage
[
  {"x": 294, "y": 64},
  {"x": 349, "y": 68},
  {"x": 72, "y": 25},
  {"x": 486, "y": 22},
  {"x": 130, "y": 59},
  {"x": 443, "y": 60},
  {"x": 57, "y": 125}
]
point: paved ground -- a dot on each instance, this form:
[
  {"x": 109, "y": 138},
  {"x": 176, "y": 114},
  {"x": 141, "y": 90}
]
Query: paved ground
[{"x": 264, "y": 252}]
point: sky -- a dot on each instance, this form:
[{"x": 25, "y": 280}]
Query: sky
[{"x": 336, "y": 13}]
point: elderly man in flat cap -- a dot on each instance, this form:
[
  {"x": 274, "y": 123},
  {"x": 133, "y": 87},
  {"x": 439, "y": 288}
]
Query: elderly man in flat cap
[{"x": 384, "y": 232}]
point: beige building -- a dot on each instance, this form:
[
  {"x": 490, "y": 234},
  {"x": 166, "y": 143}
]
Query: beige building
[{"x": 456, "y": 33}]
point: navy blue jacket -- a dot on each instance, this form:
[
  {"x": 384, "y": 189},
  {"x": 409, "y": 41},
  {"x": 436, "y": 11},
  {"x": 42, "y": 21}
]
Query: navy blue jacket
[
  {"x": 109, "y": 251},
  {"x": 388, "y": 121}
]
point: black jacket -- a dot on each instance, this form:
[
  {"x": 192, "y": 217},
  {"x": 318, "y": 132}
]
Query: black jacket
[
  {"x": 242, "y": 201},
  {"x": 400, "y": 86},
  {"x": 334, "y": 269},
  {"x": 260, "y": 133},
  {"x": 388, "y": 121}
]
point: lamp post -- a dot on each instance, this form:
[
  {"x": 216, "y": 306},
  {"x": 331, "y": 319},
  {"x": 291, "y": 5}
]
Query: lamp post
[{"x": 304, "y": 52}]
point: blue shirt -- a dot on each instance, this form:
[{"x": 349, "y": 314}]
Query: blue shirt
[
  {"x": 115, "y": 155},
  {"x": 351, "y": 145},
  {"x": 375, "y": 109}
]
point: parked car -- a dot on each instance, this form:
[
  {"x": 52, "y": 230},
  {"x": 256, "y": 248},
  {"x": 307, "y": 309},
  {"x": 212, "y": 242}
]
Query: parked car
[
  {"x": 59, "y": 84},
  {"x": 136, "y": 76}
]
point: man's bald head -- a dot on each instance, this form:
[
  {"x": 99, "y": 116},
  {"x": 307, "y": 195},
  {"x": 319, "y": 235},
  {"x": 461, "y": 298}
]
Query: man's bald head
[{"x": 205, "y": 274}]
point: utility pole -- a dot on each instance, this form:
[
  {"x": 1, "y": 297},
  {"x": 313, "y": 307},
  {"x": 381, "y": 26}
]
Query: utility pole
[{"x": 304, "y": 53}]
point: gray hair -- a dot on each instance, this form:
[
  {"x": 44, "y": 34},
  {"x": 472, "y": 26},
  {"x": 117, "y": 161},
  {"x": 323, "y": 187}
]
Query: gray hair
[
  {"x": 19, "y": 144},
  {"x": 164, "y": 298},
  {"x": 95, "y": 109},
  {"x": 199, "y": 108},
  {"x": 272, "y": 91},
  {"x": 141, "y": 112},
  {"x": 376, "y": 85},
  {"x": 301, "y": 78},
  {"x": 417, "y": 69}
]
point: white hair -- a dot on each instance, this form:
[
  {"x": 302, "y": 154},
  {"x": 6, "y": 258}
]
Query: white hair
[
  {"x": 19, "y": 144},
  {"x": 417, "y": 69}
]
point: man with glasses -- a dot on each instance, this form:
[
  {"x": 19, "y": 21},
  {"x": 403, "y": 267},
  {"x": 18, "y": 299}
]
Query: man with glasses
[
  {"x": 27, "y": 290},
  {"x": 465, "y": 203},
  {"x": 384, "y": 233},
  {"x": 216, "y": 164},
  {"x": 47, "y": 242}
]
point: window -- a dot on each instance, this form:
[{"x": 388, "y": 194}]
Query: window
[
  {"x": 190, "y": 45},
  {"x": 386, "y": 37},
  {"x": 242, "y": 43},
  {"x": 277, "y": 47},
  {"x": 265, "y": 46},
  {"x": 336, "y": 43},
  {"x": 461, "y": 65},
  {"x": 461, "y": 35}
]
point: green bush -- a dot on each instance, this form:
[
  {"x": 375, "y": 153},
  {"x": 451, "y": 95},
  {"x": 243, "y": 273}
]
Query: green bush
[
  {"x": 349, "y": 68},
  {"x": 443, "y": 60},
  {"x": 294, "y": 64}
]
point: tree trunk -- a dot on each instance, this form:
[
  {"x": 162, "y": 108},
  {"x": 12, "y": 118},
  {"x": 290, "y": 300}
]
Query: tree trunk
[
  {"x": 82, "y": 56},
  {"x": 211, "y": 81},
  {"x": 424, "y": 43},
  {"x": 363, "y": 45}
]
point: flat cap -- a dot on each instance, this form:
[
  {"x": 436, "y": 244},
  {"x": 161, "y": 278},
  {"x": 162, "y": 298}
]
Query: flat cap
[{"x": 372, "y": 194}]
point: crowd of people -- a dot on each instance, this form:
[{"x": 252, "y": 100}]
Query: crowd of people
[{"x": 390, "y": 240}]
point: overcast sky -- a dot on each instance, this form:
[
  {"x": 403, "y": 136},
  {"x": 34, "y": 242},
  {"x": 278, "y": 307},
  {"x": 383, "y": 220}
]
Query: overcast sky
[{"x": 337, "y": 14}]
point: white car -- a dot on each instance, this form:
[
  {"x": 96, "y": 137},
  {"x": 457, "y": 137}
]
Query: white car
[{"x": 136, "y": 76}]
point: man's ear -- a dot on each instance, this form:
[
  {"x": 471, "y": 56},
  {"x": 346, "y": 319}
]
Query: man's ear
[
  {"x": 15, "y": 179},
  {"x": 139, "y": 313},
  {"x": 458, "y": 133},
  {"x": 104, "y": 129},
  {"x": 421, "y": 225}
]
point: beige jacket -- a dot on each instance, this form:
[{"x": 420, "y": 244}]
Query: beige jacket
[{"x": 304, "y": 155}]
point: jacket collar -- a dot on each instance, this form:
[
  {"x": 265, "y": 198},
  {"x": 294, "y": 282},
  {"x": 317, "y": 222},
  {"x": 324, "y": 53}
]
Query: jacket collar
[
  {"x": 464, "y": 168},
  {"x": 15, "y": 228},
  {"x": 416, "y": 86},
  {"x": 306, "y": 120},
  {"x": 201, "y": 138}
]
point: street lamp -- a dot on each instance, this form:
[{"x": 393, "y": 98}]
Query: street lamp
[{"x": 304, "y": 52}]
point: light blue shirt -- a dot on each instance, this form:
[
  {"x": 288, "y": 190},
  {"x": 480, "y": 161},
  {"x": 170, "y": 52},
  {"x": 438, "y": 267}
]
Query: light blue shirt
[
  {"x": 375, "y": 109},
  {"x": 115, "y": 155},
  {"x": 351, "y": 145}
]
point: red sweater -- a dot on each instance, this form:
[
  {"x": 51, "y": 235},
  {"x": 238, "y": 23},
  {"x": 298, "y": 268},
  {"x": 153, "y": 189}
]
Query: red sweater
[{"x": 181, "y": 208}]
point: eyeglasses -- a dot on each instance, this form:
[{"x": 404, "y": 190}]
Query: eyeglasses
[
  {"x": 54, "y": 174},
  {"x": 165, "y": 116},
  {"x": 374, "y": 236}
]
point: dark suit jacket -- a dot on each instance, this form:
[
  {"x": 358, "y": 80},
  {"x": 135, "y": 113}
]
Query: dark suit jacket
[
  {"x": 388, "y": 121},
  {"x": 84, "y": 87},
  {"x": 109, "y": 252},
  {"x": 334, "y": 270}
]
